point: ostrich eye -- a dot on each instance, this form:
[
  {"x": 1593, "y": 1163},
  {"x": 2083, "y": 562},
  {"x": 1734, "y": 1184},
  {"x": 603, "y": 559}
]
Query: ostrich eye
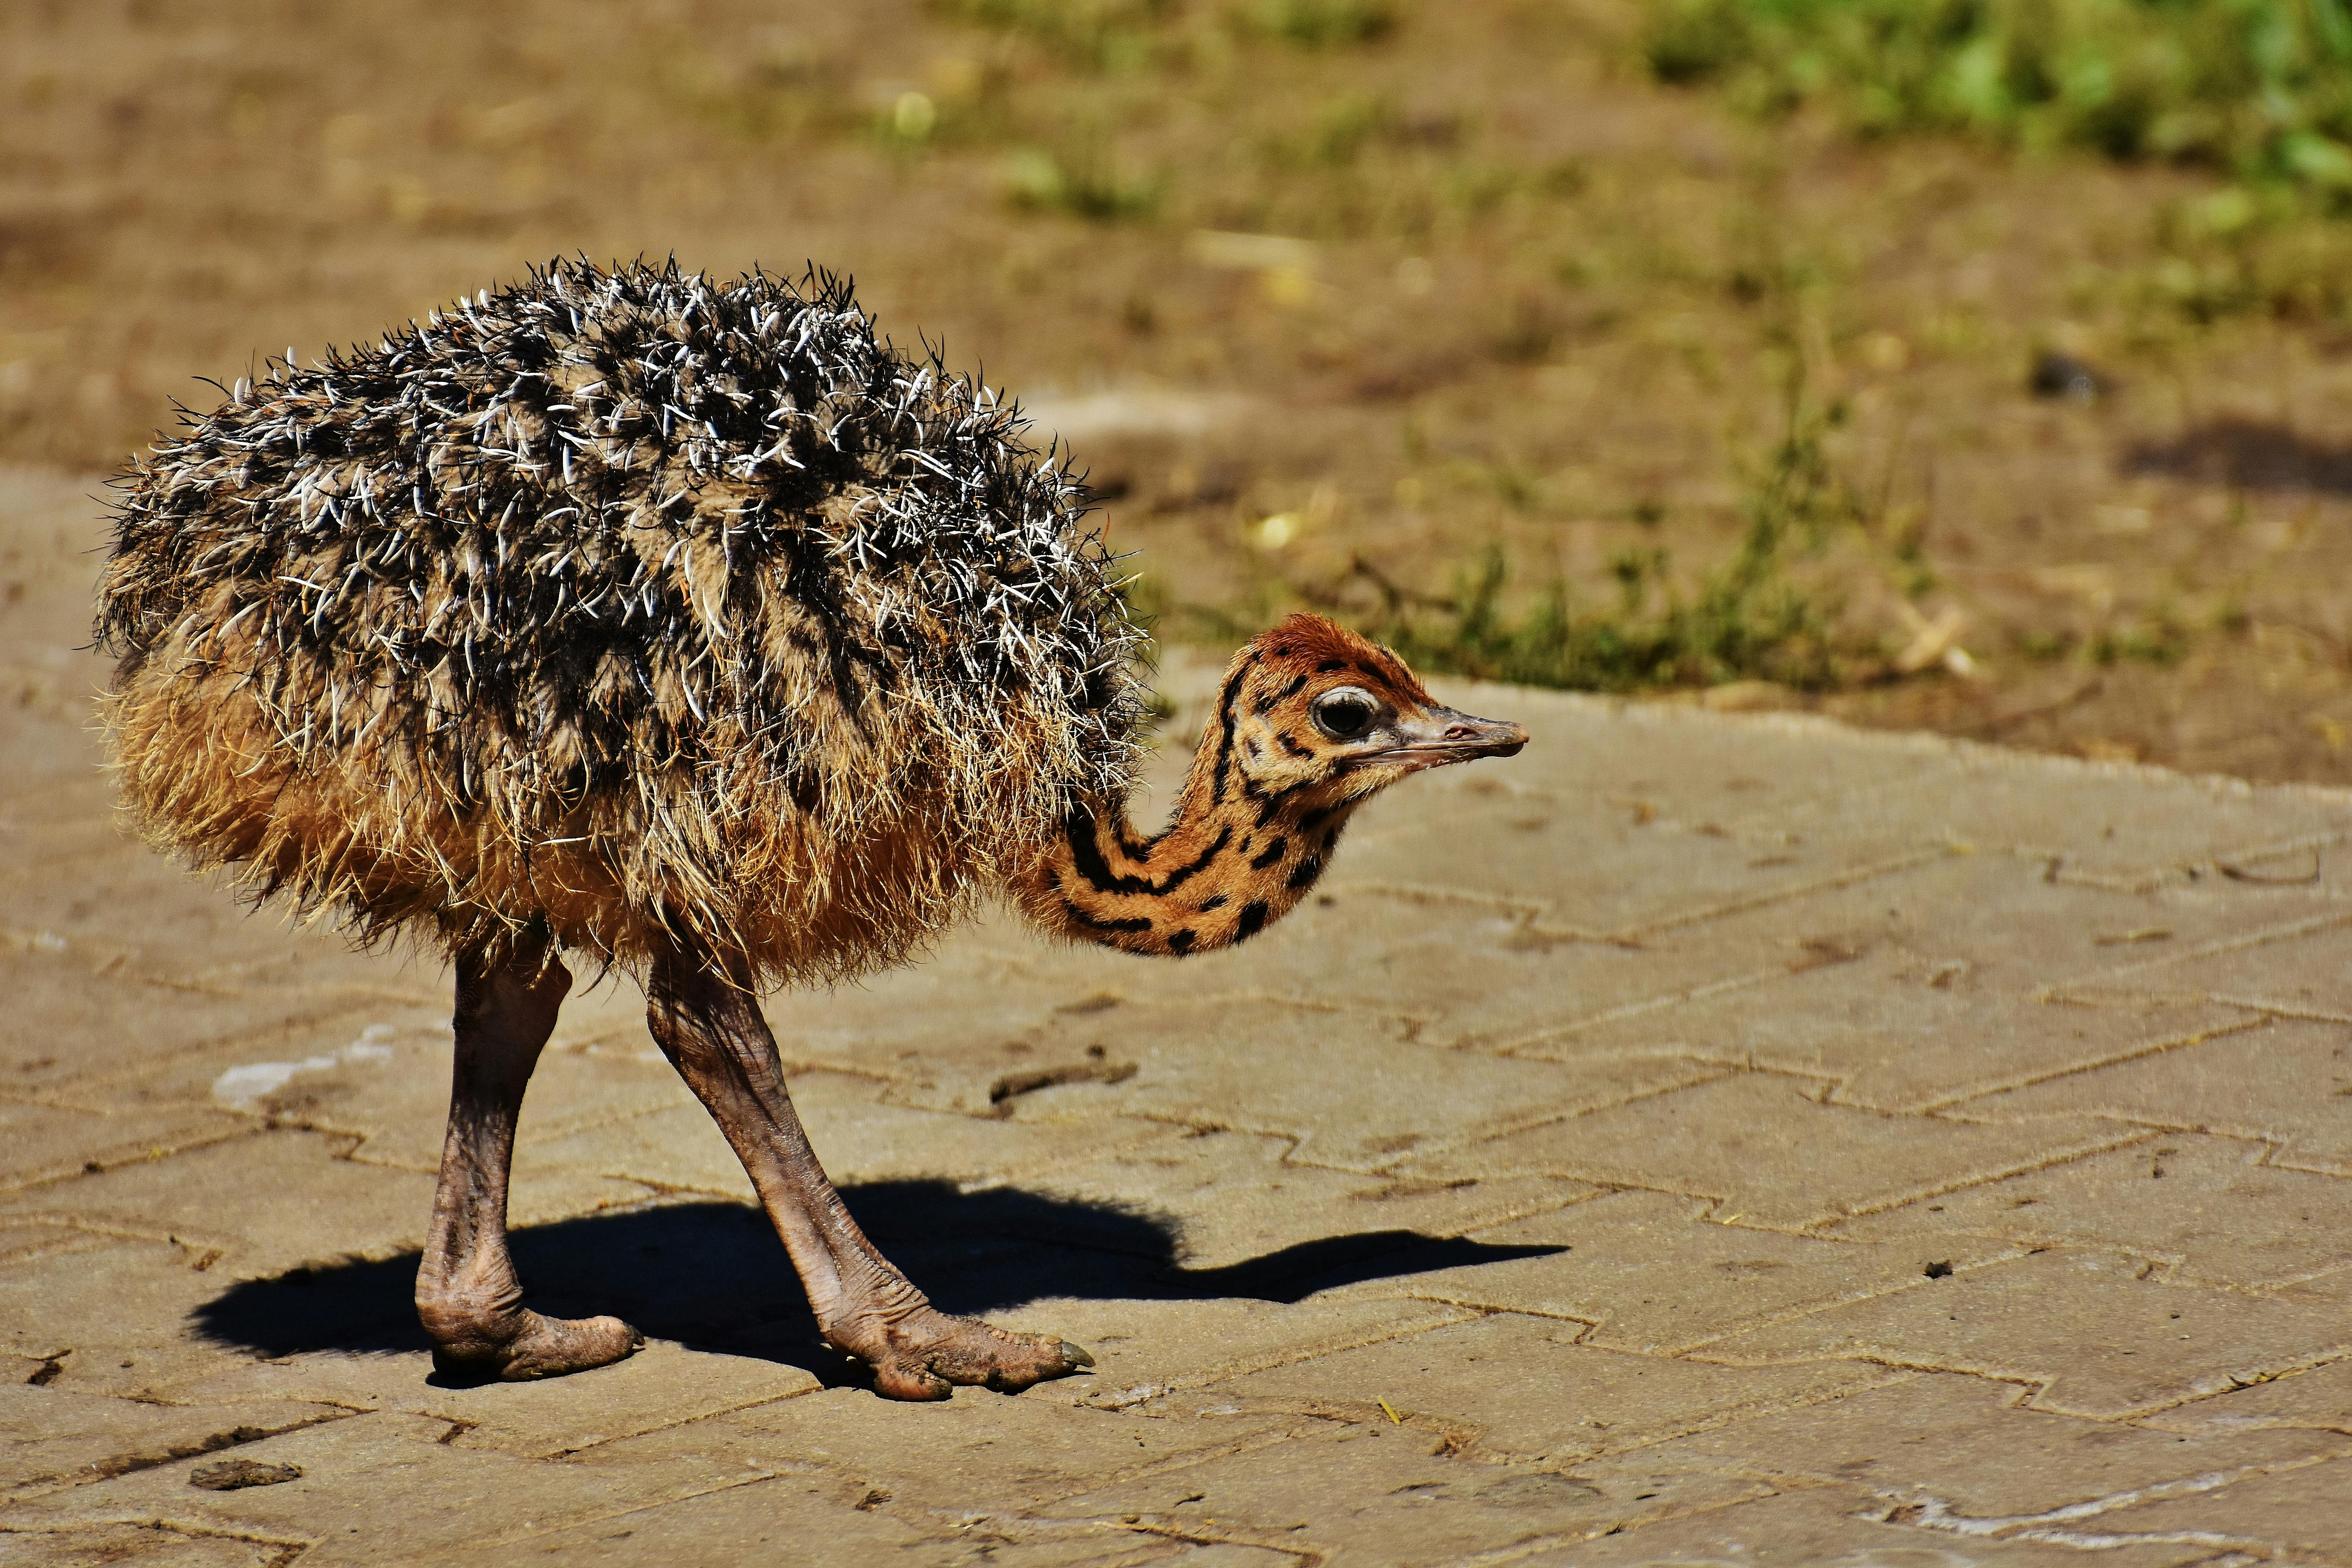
[{"x": 1345, "y": 713}]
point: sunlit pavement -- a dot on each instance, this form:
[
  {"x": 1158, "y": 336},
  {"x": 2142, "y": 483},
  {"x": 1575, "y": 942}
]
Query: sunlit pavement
[{"x": 1701, "y": 1139}]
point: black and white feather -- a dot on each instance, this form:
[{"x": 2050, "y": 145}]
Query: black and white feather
[{"x": 620, "y": 599}]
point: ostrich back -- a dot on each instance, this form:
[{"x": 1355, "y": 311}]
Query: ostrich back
[{"x": 624, "y": 601}]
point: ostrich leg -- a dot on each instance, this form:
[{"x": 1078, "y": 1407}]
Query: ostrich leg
[
  {"x": 706, "y": 1021},
  {"x": 466, "y": 1292}
]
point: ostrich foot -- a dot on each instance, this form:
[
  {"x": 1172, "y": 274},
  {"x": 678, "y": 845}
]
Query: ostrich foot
[
  {"x": 522, "y": 1346},
  {"x": 923, "y": 1353}
]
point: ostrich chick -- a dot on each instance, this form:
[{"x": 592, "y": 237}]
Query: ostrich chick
[{"x": 684, "y": 628}]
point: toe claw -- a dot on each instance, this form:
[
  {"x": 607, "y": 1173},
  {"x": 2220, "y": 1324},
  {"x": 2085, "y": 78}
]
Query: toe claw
[{"x": 1077, "y": 1355}]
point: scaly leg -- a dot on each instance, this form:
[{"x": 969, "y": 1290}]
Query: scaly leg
[
  {"x": 466, "y": 1292},
  {"x": 706, "y": 1021}
]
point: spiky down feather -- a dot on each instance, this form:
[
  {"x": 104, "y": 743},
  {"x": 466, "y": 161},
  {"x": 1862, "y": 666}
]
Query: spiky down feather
[{"x": 625, "y": 600}]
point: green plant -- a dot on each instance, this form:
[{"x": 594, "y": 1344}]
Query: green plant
[
  {"x": 1747, "y": 617},
  {"x": 2158, "y": 639},
  {"x": 2259, "y": 88},
  {"x": 1098, "y": 34},
  {"x": 1084, "y": 179},
  {"x": 1319, "y": 24}
]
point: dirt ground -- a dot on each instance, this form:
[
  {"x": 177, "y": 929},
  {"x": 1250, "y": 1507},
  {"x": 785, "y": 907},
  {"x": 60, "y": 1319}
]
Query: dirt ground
[{"x": 1302, "y": 284}]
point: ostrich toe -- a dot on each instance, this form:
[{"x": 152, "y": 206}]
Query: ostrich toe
[
  {"x": 926, "y": 1354},
  {"x": 529, "y": 1346}
]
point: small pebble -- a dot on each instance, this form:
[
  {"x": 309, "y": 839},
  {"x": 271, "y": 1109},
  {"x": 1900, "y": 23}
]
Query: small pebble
[
  {"x": 2064, "y": 375},
  {"x": 229, "y": 1474}
]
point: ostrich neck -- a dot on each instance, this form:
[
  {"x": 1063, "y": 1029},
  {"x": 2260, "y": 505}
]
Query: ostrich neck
[{"x": 1235, "y": 859}]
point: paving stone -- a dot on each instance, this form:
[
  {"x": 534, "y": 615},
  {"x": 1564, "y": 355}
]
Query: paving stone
[
  {"x": 1175, "y": 1350},
  {"x": 63, "y": 1022},
  {"x": 1100, "y": 1546},
  {"x": 2113, "y": 826},
  {"x": 353, "y": 1380},
  {"x": 1820, "y": 1528},
  {"x": 1739, "y": 1022},
  {"x": 386, "y": 1084},
  {"x": 2320, "y": 1399},
  {"x": 1510, "y": 1387},
  {"x": 1352, "y": 1097},
  {"x": 273, "y": 1200},
  {"x": 2209, "y": 1207},
  {"x": 2297, "y": 1516},
  {"x": 810, "y": 1519},
  {"x": 2288, "y": 966},
  {"x": 1269, "y": 1068},
  {"x": 382, "y": 1488},
  {"x": 859, "y": 1138},
  {"x": 1472, "y": 974},
  {"x": 1102, "y": 1042},
  {"x": 93, "y": 1309},
  {"x": 1236, "y": 1198},
  {"x": 41, "y": 1143},
  {"x": 1948, "y": 994},
  {"x": 1653, "y": 1275},
  {"x": 1970, "y": 1448},
  {"x": 280, "y": 1069},
  {"x": 955, "y": 1022},
  {"x": 1771, "y": 1153},
  {"x": 659, "y": 1386},
  {"x": 1595, "y": 863},
  {"x": 2285, "y": 1083},
  {"x": 2094, "y": 1339},
  {"x": 1886, "y": 1037},
  {"x": 23, "y": 1243},
  {"x": 140, "y": 1543},
  {"x": 1468, "y": 971},
  {"x": 58, "y": 1438},
  {"x": 978, "y": 1454},
  {"x": 1374, "y": 1493},
  {"x": 67, "y": 818},
  {"x": 188, "y": 936},
  {"x": 1462, "y": 971},
  {"x": 1751, "y": 773},
  {"x": 662, "y": 1385}
]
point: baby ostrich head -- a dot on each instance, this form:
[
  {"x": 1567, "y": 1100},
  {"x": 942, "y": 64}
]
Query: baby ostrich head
[{"x": 1312, "y": 721}]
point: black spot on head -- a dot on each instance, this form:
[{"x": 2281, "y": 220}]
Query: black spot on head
[
  {"x": 1329, "y": 665},
  {"x": 1253, "y": 921},
  {"x": 1273, "y": 852},
  {"x": 1293, "y": 747},
  {"x": 1218, "y": 902},
  {"x": 1303, "y": 875},
  {"x": 1265, "y": 704},
  {"x": 1179, "y": 942}
]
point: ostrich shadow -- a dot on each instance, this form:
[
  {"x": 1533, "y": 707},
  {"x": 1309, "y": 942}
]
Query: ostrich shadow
[
  {"x": 711, "y": 1275},
  {"x": 2247, "y": 454}
]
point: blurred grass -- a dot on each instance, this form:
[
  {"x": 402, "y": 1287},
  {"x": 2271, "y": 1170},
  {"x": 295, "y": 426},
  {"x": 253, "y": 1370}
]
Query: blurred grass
[
  {"x": 1484, "y": 322},
  {"x": 1754, "y": 613},
  {"x": 1748, "y": 616},
  {"x": 2259, "y": 88},
  {"x": 2257, "y": 91}
]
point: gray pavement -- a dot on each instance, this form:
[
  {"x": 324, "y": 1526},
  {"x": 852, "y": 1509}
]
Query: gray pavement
[{"x": 1706, "y": 1139}]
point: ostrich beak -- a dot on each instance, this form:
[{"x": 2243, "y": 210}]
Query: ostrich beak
[{"x": 1440, "y": 736}]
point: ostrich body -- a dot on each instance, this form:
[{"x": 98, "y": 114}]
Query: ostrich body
[{"x": 684, "y": 627}]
